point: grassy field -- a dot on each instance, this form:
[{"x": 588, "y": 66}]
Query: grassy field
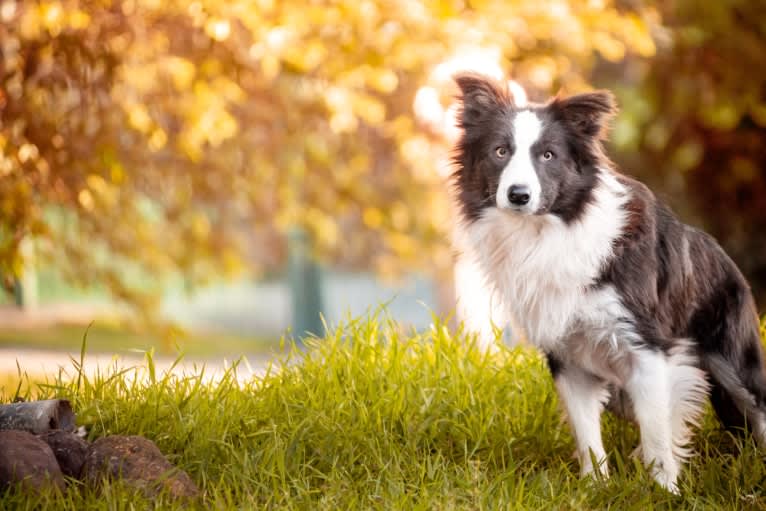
[{"x": 375, "y": 418}]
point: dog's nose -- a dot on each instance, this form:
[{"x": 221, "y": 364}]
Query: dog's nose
[{"x": 518, "y": 195}]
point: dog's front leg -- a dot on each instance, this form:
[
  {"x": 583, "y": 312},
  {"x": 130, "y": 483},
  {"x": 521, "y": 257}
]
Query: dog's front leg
[
  {"x": 649, "y": 389},
  {"x": 584, "y": 397}
]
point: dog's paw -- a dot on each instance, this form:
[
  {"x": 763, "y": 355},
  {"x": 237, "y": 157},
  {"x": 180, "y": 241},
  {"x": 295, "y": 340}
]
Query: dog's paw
[{"x": 666, "y": 475}]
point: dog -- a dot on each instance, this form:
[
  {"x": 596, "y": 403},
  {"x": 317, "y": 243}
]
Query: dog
[{"x": 632, "y": 308}]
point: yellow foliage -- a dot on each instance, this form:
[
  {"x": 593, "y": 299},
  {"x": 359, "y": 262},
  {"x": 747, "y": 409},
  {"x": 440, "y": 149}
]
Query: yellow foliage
[
  {"x": 27, "y": 152},
  {"x": 218, "y": 29},
  {"x": 85, "y": 198},
  {"x": 758, "y": 113},
  {"x": 181, "y": 70},
  {"x": 373, "y": 218},
  {"x": 369, "y": 109},
  {"x": 268, "y": 114},
  {"x": 611, "y": 48},
  {"x": 200, "y": 226},
  {"x": 383, "y": 81},
  {"x": 157, "y": 139},
  {"x": 78, "y": 19},
  {"x": 139, "y": 117}
]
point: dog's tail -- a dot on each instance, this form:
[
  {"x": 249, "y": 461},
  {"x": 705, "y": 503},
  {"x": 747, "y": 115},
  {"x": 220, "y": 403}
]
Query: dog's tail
[
  {"x": 738, "y": 395},
  {"x": 726, "y": 328}
]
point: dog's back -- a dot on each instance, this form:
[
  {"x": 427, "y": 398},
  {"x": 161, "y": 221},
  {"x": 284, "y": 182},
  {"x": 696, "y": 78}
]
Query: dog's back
[{"x": 700, "y": 295}]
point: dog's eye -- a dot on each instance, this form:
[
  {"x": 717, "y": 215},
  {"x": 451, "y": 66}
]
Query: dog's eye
[
  {"x": 501, "y": 151},
  {"x": 547, "y": 155}
]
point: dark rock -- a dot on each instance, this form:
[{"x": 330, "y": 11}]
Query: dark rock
[
  {"x": 26, "y": 459},
  {"x": 69, "y": 450},
  {"x": 38, "y": 416},
  {"x": 137, "y": 462}
]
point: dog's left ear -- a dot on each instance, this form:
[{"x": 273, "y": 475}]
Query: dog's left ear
[
  {"x": 587, "y": 114},
  {"x": 480, "y": 97}
]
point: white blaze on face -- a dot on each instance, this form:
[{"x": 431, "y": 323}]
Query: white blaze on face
[{"x": 520, "y": 171}]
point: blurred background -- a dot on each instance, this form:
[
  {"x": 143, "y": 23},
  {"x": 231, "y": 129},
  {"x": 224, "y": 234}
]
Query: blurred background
[{"x": 211, "y": 174}]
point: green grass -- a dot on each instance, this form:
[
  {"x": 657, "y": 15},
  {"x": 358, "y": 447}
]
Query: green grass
[
  {"x": 110, "y": 336},
  {"x": 376, "y": 418}
]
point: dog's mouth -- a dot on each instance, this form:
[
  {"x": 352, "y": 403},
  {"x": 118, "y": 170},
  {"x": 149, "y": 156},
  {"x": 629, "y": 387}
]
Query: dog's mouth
[{"x": 525, "y": 210}]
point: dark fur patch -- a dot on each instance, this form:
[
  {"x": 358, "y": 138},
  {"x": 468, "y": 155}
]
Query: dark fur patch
[
  {"x": 486, "y": 109},
  {"x": 677, "y": 282},
  {"x": 554, "y": 364}
]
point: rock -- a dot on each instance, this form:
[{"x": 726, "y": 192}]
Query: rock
[
  {"x": 138, "y": 462},
  {"x": 38, "y": 416},
  {"x": 69, "y": 450},
  {"x": 28, "y": 460}
]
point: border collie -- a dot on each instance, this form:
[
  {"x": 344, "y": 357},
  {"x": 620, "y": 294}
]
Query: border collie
[{"x": 633, "y": 309}]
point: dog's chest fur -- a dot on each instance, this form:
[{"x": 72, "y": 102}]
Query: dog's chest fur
[{"x": 544, "y": 270}]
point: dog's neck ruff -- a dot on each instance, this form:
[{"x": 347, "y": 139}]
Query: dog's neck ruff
[{"x": 543, "y": 269}]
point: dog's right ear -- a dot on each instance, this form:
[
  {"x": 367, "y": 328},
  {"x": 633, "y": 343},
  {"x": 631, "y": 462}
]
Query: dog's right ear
[
  {"x": 587, "y": 114},
  {"x": 479, "y": 97}
]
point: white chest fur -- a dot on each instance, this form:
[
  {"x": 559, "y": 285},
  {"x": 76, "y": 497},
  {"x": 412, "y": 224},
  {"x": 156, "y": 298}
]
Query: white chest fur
[{"x": 542, "y": 269}]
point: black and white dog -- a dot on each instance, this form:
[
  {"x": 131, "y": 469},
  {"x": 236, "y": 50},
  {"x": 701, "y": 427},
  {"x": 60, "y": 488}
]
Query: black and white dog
[{"x": 629, "y": 305}]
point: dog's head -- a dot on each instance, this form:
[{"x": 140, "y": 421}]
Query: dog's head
[{"x": 536, "y": 159}]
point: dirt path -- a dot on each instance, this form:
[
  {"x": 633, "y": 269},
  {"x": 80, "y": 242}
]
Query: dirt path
[
  {"x": 38, "y": 362},
  {"x": 51, "y": 314},
  {"x": 49, "y": 362}
]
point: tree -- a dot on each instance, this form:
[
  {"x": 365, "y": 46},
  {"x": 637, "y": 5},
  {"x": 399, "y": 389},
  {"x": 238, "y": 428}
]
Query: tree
[
  {"x": 694, "y": 123},
  {"x": 140, "y": 138}
]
